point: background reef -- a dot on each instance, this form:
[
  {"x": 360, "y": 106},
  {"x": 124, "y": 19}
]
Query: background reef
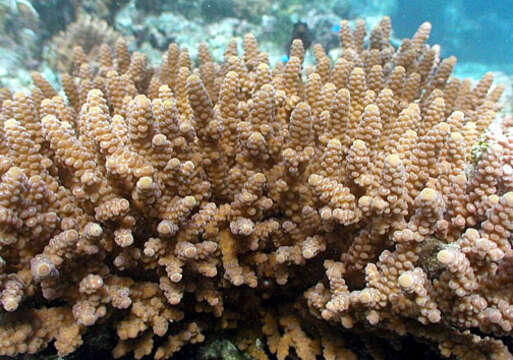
[{"x": 32, "y": 31}]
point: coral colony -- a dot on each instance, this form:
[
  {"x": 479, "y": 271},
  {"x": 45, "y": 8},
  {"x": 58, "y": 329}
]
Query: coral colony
[{"x": 288, "y": 206}]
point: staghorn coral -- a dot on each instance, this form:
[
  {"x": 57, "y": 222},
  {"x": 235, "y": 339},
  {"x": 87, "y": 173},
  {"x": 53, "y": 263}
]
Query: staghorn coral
[
  {"x": 174, "y": 202},
  {"x": 86, "y": 32}
]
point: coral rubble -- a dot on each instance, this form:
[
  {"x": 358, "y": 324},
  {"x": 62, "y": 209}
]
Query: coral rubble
[{"x": 290, "y": 207}]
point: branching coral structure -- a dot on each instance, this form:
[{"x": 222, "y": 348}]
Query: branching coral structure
[
  {"x": 87, "y": 33},
  {"x": 291, "y": 206}
]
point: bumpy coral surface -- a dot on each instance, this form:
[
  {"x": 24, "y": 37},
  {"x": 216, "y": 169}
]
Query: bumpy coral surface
[
  {"x": 292, "y": 207},
  {"x": 78, "y": 40}
]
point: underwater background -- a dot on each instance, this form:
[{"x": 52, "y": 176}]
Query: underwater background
[{"x": 40, "y": 34}]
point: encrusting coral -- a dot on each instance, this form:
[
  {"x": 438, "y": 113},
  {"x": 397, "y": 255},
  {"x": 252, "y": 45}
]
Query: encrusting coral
[{"x": 171, "y": 202}]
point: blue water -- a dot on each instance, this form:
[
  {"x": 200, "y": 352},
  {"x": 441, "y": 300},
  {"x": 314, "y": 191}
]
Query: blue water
[{"x": 478, "y": 31}]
